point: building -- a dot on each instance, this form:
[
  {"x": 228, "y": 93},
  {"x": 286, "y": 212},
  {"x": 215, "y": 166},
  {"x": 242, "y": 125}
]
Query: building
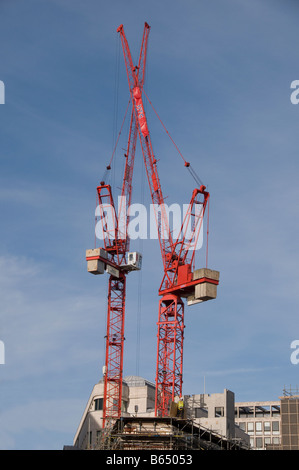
[
  {"x": 138, "y": 399},
  {"x": 215, "y": 411},
  {"x": 216, "y": 421},
  {"x": 271, "y": 425},
  {"x": 211, "y": 414},
  {"x": 141, "y": 398},
  {"x": 289, "y": 422},
  {"x": 261, "y": 421}
]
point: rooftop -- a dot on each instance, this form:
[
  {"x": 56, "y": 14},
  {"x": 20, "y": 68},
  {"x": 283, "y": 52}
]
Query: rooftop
[{"x": 137, "y": 381}]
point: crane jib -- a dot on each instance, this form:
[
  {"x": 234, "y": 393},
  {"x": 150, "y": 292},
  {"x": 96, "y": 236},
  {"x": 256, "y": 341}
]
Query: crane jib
[{"x": 140, "y": 111}]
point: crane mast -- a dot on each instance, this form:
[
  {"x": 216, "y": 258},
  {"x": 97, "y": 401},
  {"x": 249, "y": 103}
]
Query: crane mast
[{"x": 180, "y": 280}]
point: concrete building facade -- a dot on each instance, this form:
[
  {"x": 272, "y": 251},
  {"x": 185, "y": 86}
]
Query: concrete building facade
[
  {"x": 141, "y": 398},
  {"x": 215, "y": 412},
  {"x": 138, "y": 399}
]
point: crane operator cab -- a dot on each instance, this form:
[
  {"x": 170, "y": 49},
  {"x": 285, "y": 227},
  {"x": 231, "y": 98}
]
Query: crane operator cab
[{"x": 135, "y": 260}]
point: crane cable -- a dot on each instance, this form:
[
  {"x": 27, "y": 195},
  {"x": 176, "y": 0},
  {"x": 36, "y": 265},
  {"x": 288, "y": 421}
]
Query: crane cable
[
  {"x": 139, "y": 287},
  {"x": 116, "y": 88},
  {"x": 187, "y": 164},
  {"x": 190, "y": 169},
  {"x": 108, "y": 167},
  {"x": 115, "y": 110}
]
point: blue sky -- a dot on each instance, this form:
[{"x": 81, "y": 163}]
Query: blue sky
[{"x": 219, "y": 75}]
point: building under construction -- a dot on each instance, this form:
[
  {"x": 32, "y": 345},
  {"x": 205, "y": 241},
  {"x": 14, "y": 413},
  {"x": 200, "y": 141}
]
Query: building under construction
[{"x": 206, "y": 422}]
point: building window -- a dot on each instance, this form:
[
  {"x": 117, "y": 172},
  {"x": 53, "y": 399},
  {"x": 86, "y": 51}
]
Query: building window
[
  {"x": 98, "y": 404},
  {"x": 259, "y": 443},
  {"x": 201, "y": 412},
  {"x": 258, "y": 427},
  {"x": 267, "y": 427},
  {"x": 267, "y": 441},
  {"x": 276, "y": 440},
  {"x": 242, "y": 426},
  {"x": 275, "y": 410},
  {"x": 262, "y": 411},
  {"x": 246, "y": 412},
  {"x": 250, "y": 428},
  {"x": 275, "y": 427},
  {"x": 219, "y": 411},
  {"x": 99, "y": 433}
]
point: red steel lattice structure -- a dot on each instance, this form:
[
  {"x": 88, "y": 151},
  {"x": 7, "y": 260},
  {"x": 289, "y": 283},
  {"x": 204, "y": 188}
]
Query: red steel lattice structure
[{"x": 177, "y": 256}]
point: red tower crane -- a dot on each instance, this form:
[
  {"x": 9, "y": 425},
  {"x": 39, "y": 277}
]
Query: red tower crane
[
  {"x": 179, "y": 281},
  {"x": 116, "y": 259}
]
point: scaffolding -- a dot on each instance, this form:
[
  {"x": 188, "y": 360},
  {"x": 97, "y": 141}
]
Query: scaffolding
[
  {"x": 106, "y": 440},
  {"x": 165, "y": 433},
  {"x": 290, "y": 392}
]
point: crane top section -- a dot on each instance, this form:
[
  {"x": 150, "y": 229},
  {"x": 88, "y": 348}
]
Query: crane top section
[
  {"x": 177, "y": 250},
  {"x": 135, "y": 73},
  {"x": 121, "y": 27}
]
